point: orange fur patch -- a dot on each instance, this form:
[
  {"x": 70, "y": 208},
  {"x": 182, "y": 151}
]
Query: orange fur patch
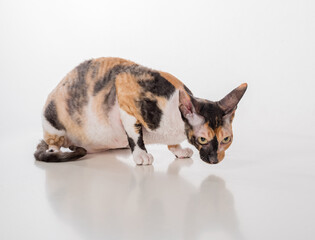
[
  {"x": 103, "y": 65},
  {"x": 172, "y": 146},
  {"x": 173, "y": 80},
  {"x": 54, "y": 140},
  {"x": 127, "y": 96},
  {"x": 221, "y": 156},
  {"x": 219, "y": 134},
  {"x": 210, "y": 133}
]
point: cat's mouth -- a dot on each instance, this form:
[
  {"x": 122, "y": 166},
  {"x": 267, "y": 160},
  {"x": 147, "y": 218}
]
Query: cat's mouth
[{"x": 208, "y": 156}]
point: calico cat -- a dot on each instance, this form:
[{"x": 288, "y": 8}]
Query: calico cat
[{"x": 110, "y": 103}]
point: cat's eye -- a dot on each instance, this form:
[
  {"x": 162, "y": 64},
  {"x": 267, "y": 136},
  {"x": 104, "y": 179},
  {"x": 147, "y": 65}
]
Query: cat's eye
[
  {"x": 202, "y": 140},
  {"x": 226, "y": 140}
]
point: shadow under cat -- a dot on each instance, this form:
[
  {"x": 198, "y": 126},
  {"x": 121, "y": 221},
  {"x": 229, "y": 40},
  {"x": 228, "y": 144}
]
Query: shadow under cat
[{"x": 108, "y": 199}]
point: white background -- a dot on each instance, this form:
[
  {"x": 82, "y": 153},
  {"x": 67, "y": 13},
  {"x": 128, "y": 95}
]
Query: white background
[
  {"x": 264, "y": 189},
  {"x": 212, "y": 46}
]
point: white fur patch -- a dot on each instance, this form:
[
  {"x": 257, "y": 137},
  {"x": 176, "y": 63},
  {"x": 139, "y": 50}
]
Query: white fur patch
[
  {"x": 102, "y": 135},
  {"x": 172, "y": 128},
  {"x": 129, "y": 124},
  {"x": 195, "y": 119},
  {"x": 181, "y": 152},
  {"x": 141, "y": 157}
]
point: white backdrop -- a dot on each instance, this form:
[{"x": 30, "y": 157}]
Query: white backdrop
[
  {"x": 212, "y": 46},
  {"x": 267, "y": 180}
]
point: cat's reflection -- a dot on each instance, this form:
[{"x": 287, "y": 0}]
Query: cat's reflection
[
  {"x": 104, "y": 198},
  {"x": 211, "y": 214}
]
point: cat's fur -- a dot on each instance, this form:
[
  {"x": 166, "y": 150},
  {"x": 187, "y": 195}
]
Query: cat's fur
[{"x": 110, "y": 103}]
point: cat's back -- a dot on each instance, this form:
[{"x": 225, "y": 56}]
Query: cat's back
[
  {"x": 90, "y": 79},
  {"x": 87, "y": 74}
]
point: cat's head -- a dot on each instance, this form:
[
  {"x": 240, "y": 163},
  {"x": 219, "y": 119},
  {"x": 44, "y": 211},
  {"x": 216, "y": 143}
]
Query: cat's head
[{"x": 209, "y": 124}]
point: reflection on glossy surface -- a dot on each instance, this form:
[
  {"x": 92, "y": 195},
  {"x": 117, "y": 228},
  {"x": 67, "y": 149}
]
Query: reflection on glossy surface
[
  {"x": 210, "y": 212},
  {"x": 108, "y": 199},
  {"x": 255, "y": 193}
]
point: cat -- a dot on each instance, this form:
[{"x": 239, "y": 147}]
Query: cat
[{"x": 110, "y": 103}]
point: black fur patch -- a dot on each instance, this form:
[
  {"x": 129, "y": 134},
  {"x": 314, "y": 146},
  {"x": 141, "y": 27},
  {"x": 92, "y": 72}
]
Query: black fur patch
[
  {"x": 131, "y": 144},
  {"x": 215, "y": 144},
  {"x": 110, "y": 98},
  {"x": 155, "y": 84},
  {"x": 94, "y": 69},
  {"x": 42, "y": 155},
  {"x": 140, "y": 142},
  {"x": 52, "y": 116},
  {"x": 209, "y": 151},
  {"x": 211, "y": 112},
  {"x": 138, "y": 127},
  {"x": 78, "y": 90},
  {"x": 150, "y": 112},
  {"x": 158, "y": 86}
]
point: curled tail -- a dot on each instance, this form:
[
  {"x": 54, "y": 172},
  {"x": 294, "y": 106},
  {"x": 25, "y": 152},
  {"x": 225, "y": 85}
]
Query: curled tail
[{"x": 41, "y": 154}]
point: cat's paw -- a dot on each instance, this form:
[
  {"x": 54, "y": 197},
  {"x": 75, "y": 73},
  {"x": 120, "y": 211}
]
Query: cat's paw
[
  {"x": 183, "y": 153},
  {"x": 142, "y": 158}
]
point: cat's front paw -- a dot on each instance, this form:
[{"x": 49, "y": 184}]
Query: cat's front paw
[
  {"x": 183, "y": 153},
  {"x": 142, "y": 158}
]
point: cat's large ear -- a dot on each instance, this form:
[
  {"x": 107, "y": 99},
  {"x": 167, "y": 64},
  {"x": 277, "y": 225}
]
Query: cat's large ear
[
  {"x": 188, "y": 110},
  {"x": 229, "y": 103}
]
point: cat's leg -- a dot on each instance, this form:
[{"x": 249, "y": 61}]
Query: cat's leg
[
  {"x": 180, "y": 152},
  {"x": 54, "y": 138},
  {"x": 54, "y": 131},
  {"x": 135, "y": 139}
]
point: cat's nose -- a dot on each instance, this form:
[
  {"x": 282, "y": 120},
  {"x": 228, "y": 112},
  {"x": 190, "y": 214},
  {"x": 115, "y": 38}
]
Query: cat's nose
[{"x": 213, "y": 160}]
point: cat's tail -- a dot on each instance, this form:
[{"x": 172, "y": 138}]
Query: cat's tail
[{"x": 41, "y": 154}]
